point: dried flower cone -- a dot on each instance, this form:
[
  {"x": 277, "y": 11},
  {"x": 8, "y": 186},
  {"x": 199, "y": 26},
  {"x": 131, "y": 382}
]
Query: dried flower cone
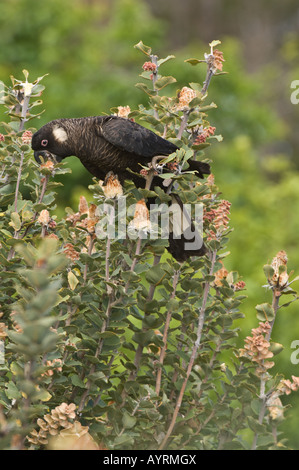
[
  {"x": 257, "y": 348},
  {"x": 275, "y": 407},
  {"x": 123, "y": 111},
  {"x": 215, "y": 61},
  {"x": 44, "y": 217},
  {"x": 141, "y": 220},
  {"x": 111, "y": 186},
  {"x": 219, "y": 218},
  {"x": 61, "y": 417},
  {"x": 83, "y": 205},
  {"x": 48, "y": 165},
  {"x": 70, "y": 252},
  {"x": 26, "y": 137},
  {"x": 186, "y": 95},
  {"x": 280, "y": 277},
  {"x": 286, "y": 386},
  {"x": 219, "y": 276}
]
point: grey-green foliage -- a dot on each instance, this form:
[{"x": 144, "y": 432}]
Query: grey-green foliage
[{"x": 145, "y": 347}]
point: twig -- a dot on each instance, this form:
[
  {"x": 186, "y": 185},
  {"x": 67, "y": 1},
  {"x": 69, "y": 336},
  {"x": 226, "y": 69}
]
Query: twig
[
  {"x": 263, "y": 396},
  {"x": 90, "y": 247},
  {"x": 207, "y": 81},
  {"x": 184, "y": 122},
  {"x": 18, "y": 182},
  {"x": 139, "y": 349},
  {"x": 165, "y": 333},
  {"x": 193, "y": 353}
]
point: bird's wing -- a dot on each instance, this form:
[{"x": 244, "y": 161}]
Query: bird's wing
[{"x": 134, "y": 138}]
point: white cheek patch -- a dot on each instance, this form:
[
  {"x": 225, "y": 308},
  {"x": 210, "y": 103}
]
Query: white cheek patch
[{"x": 60, "y": 134}]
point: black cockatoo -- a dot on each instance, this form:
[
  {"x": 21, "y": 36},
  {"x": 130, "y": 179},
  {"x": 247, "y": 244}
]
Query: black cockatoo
[{"x": 106, "y": 144}]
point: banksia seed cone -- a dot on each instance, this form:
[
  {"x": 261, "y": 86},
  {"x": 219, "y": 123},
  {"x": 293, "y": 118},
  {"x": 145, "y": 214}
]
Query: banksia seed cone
[
  {"x": 141, "y": 220},
  {"x": 280, "y": 276},
  {"x": 186, "y": 95},
  {"x": 61, "y": 417},
  {"x": 123, "y": 111},
  {"x": 48, "y": 165},
  {"x": 219, "y": 276},
  {"x": 111, "y": 186},
  {"x": 44, "y": 217},
  {"x": 83, "y": 205},
  {"x": 275, "y": 407}
]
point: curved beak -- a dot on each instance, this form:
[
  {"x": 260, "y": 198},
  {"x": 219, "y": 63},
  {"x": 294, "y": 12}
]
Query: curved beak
[{"x": 43, "y": 155}]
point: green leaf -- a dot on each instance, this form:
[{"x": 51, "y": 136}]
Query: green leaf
[
  {"x": 164, "y": 81},
  {"x": 12, "y": 391},
  {"x": 72, "y": 280},
  {"x": 166, "y": 59},
  {"x": 214, "y": 43},
  {"x": 77, "y": 382},
  {"x": 265, "y": 312},
  {"x": 15, "y": 221},
  {"x": 276, "y": 348},
  {"x": 144, "y": 88},
  {"x": 156, "y": 274},
  {"x": 269, "y": 271},
  {"x": 143, "y": 48},
  {"x": 194, "y": 61},
  {"x": 128, "y": 421}
]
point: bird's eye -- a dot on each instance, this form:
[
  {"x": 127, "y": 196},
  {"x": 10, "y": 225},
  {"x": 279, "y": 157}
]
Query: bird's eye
[{"x": 44, "y": 143}]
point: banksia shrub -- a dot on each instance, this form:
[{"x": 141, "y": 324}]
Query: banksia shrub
[{"x": 109, "y": 342}]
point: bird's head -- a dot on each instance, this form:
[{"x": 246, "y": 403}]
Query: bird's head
[{"x": 51, "y": 139}]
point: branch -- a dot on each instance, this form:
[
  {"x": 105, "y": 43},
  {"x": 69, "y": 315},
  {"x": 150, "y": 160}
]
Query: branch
[
  {"x": 193, "y": 353},
  {"x": 165, "y": 333}
]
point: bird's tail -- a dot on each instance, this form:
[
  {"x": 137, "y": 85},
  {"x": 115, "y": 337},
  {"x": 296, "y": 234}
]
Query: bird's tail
[
  {"x": 185, "y": 239},
  {"x": 201, "y": 168}
]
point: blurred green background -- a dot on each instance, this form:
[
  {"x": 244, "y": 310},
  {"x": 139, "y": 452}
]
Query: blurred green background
[{"x": 86, "y": 47}]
